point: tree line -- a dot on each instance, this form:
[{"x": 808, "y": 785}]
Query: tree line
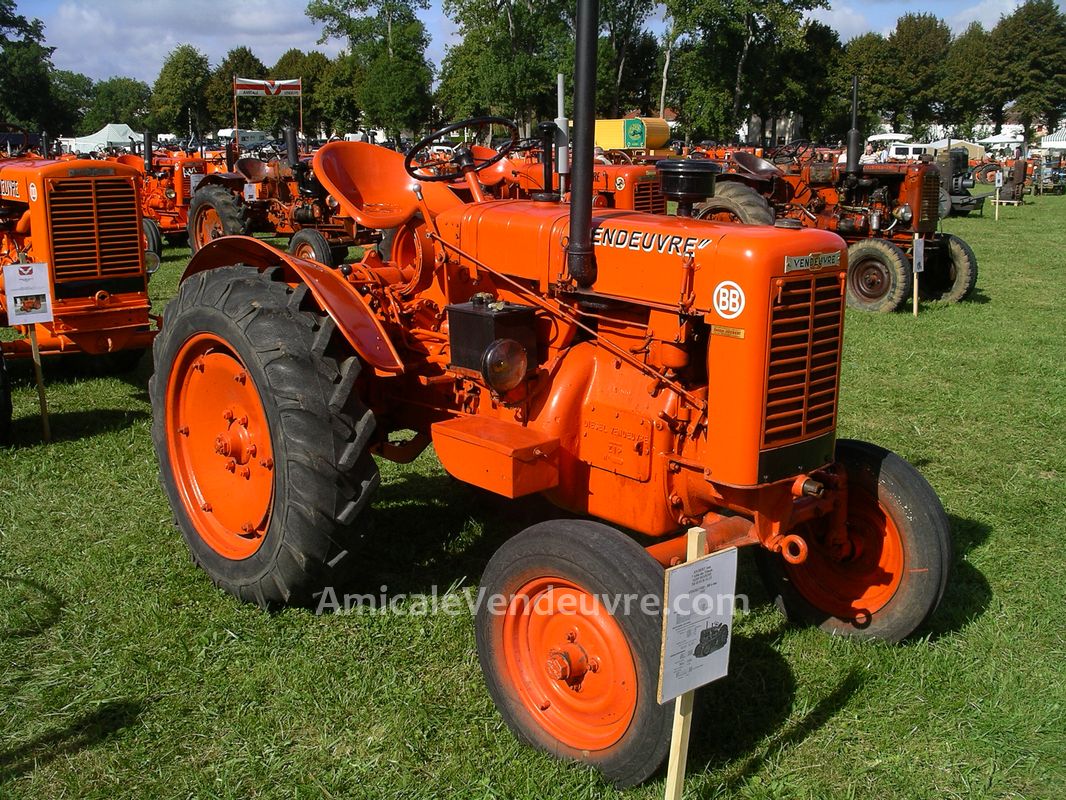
[{"x": 715, "y": 63}]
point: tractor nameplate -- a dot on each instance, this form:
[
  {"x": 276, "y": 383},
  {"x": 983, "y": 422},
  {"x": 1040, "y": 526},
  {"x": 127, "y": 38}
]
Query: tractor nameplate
[
  {"x": 617, "y": 440},
  {"x": 813, "y": 262},
  {"x": 89, "y": 172}
]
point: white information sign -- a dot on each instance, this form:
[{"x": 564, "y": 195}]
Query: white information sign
[
  {"x": 999, "y": 179},
  {"x": 918, "y": 257},
  {"x": 697, "y": 623},
  {"x": 27, "y": 293}
]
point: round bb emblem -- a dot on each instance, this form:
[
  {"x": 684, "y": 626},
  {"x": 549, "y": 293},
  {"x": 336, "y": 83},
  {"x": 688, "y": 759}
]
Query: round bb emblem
[{"x": 728, "y": 300}]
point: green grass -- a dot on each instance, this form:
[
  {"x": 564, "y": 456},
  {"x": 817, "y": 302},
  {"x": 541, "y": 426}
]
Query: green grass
[{"x": 124, "y": 673}]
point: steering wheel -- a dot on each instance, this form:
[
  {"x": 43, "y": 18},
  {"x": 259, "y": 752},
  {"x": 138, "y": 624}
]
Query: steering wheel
[
  {"x": 22, "y": 148},
  {"x": 797, "y": 151},
  {"x": 461, "y": 156}
]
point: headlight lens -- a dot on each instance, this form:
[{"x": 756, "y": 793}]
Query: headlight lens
[
  {"x": 171, "y": 194},
  {"x": 903, "y": 213},
  {"x": 504, "y": 365},
  {"x": 151, "y": 262}
]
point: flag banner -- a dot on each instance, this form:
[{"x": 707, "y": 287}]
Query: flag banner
[{"x": 252, "y": 87}]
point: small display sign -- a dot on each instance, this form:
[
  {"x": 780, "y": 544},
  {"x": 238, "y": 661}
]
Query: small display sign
[
  {"x": 999, "y": 179},
  {"x": 697, "y": 623},
  {"x": 918, "y": 256},
  {"x": 27, "y": 293}
]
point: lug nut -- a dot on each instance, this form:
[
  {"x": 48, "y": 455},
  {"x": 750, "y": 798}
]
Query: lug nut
[
  {"x": 558, "y": 667},
  {"x": 231, "y": 465},
  {"x": 246, "y": 473},
  {"x": 184, "y": 430},
  {"x": 266, "y": 463},
  {"x": 227, "y": 415},
  {"x": 205, "y": 507},
  {"x": 240, "y": 377}
]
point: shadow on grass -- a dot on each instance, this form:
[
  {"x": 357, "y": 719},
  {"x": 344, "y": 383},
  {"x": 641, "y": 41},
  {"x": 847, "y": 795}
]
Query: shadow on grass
[
  {"x": 80, "y": 734},
  {"x": 70, "y": 426},
  {"x": 968, "y": 593},
  {"x": 29, "y": 607},
  {"x": 129, "y": 366}
]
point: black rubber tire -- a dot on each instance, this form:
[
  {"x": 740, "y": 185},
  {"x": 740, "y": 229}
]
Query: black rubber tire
[
  {"x": 232, "y": 213},
  {"x": 944, "y": 203},
  {"x": 5, "y": 403},
  {"x": 314, "y": 245},
  {"x": 604, "y": 562},
  {"x": 320, "y": 429},
  {"x": 740, "y": 201},
  {"x": 912, "y": 504},
  {"x": 879, "y": 276},
  {"x": 153, "y": 236},
  {"x": 953, "y": 275}
]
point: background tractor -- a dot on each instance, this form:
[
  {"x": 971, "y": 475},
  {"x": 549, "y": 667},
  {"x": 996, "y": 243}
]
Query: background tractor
[
  {"x": 83, "y": 218},
  {"x": 279, "y": 197},
  {"x": 642, "y": 371}
]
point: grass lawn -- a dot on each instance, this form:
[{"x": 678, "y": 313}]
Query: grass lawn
[{"x": 125, "y": 673}]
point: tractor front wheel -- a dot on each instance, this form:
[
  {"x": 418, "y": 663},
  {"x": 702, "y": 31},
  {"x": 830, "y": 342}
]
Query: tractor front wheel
[
  {"x": 879, "y": 276},
  {"x": 311, "y": 244},
  {"x": 153, "y": 236},
  {"x": 735, "y": 202},
  {"x": 569, "y": 646},
  {"x": 215, "y": 211},
  {"x": 886, "y": 580},
  {"x": 953, "y": 275},
  {"x": 261, "y": 438}
]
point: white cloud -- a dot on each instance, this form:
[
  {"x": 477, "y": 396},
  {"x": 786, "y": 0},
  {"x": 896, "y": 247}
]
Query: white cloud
[
  {"x": 987, "y": 12},
  {"x": 844, "y": 19}
]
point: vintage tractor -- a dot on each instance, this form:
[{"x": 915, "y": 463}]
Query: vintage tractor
[
  {"x": 956, "y": 179},
  {"x": 653, "y": 372},
  {"x": 879, "y": 209},
  {"x": 282, "y": 198},
  {"x": 168, "y": 180},
  {"x": 83, "y": 218}
]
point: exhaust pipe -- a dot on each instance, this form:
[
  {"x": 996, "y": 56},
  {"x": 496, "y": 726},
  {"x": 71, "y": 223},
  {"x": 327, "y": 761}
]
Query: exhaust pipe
[
  {"x": 292, "y": 153},
  {"x": 854, "y": 137},
  {"x": 580, "y": 260},
  {"x": 149, "y": 146},
  {"x": 46, "y": 151}
]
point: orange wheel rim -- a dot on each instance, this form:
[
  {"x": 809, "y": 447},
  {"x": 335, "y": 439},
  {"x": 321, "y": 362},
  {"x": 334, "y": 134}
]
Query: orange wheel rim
[
  {"x": 722, "y": 216},
  {"x": 208, "y": 226},
  {"x": 862, "y": 583},
  {"x": 570, "y": 663},
  {"x": 218, "y": 441},
  {"x": 304, "y": 250}
]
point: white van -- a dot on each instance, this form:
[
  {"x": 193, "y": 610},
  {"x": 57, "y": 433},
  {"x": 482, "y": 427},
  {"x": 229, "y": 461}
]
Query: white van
[
  {"x": 247, "y": 138},
  {"x": 899, "y": 151}
]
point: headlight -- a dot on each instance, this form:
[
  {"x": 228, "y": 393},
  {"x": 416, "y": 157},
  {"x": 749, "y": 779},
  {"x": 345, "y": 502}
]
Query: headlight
[
  {"x": 151, "y": 262},
  {"x": 504, "y": 365},
  {"x": 170, "y": 194},
  {"x": 903, "y": 213}
]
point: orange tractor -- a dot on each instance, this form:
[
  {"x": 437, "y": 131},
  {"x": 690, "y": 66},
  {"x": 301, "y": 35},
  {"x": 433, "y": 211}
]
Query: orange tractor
[
  {"x": 83, "y": 218},
  {"x": 881, "y": 210},
  {"x": 282, "y": 198},
  {"x": 168, "y": 181},
  {"x": 647, "y": 372}
]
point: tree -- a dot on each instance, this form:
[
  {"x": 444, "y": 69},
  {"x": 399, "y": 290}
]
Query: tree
[
  {"x": 1033, "y": 43},
  {"x": 338, "y": 94},
  {"x": 869, "y": 57},
  {"x": 25, "y": 63},
  {"x": 277, "y": 112},
  {"x": 918, "y": 49},
  {"x": 179, "y": 100},
  {"x": 70, "y": 96},
  {"x": 623, "y": 21},
  {"x": 968, "y": 88},
  {"x": 395, "y": 96},
  {"x": 240, "y": 62},
  {"x": 118, "y": 100}
]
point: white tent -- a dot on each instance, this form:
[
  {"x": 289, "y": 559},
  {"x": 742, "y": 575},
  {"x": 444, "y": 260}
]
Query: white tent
[
  {"x": 974, "y": 150},
  {"x": 1054, "y": 141},
  {"x": 111, "y": 135},
  {"x": 1002, "y": 138},
  {"x": 889, "y": 137}
]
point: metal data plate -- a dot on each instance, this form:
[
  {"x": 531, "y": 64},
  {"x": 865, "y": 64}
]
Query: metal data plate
[
  {"x": 813, "y": 262},
  {"x": 617, "y": 440}
]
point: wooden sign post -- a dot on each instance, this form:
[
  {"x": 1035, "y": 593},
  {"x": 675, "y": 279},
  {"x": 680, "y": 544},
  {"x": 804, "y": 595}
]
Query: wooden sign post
[
  {"x": 697, "y": 633},
  {"x": 28, "y": 297}
]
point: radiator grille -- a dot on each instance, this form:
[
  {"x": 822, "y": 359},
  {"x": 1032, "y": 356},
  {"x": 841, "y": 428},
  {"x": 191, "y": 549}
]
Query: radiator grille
[
  {"x": 95, "y": 228},
  {"x": 648, "y": 198},
  {"x": 929, "y": 213},
  {"x": 803, "y": 363}
]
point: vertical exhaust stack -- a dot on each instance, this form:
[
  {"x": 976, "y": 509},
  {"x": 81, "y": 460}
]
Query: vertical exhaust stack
[
  {"x": 854, "y": 137},
  {"x": 46, "y": 151},
  {"x": 149, "y": 146},
  {"x": 580, "y": 259},
  {"x": 562, "y": 149},
  {"x": 292, "y": 152}
]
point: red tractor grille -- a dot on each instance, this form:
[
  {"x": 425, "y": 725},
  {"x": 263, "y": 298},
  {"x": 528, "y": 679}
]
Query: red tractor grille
[
  {"x": 95, "y": 228},
  {"x": 929, "y": 212},
  {"x": 648, "y": 198},
  {"x": 803, "y": 362}
]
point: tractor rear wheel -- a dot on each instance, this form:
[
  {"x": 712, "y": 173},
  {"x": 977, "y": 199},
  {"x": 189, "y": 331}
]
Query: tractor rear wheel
[
  {"x": 311, "y": 244},
  {"x": 879, "y": 276},
  {"x": 898, "y": 557},
  {"x": 953, "y": 275},
  {"x": 5, "y": 403},
  {"x": 261, "y": 439},
  {"x": 569, "y": 673},
  {"x": 215, "y": 211},
  {"x": 735, "y": 202},
  {"x": 153, "y": 236}
]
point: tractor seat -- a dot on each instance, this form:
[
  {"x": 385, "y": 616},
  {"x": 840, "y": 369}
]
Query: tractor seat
[
  {"x": 254, "y": 170},
  {"x": 372, "y": 187},
  {"x": 758, "y": 168}
]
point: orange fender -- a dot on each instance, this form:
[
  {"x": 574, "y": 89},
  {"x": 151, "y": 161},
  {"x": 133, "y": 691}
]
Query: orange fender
[{"x": 334, "y": 294}]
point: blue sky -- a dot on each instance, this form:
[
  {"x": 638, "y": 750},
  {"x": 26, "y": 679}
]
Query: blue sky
[{"x": 102, "y": 38}]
